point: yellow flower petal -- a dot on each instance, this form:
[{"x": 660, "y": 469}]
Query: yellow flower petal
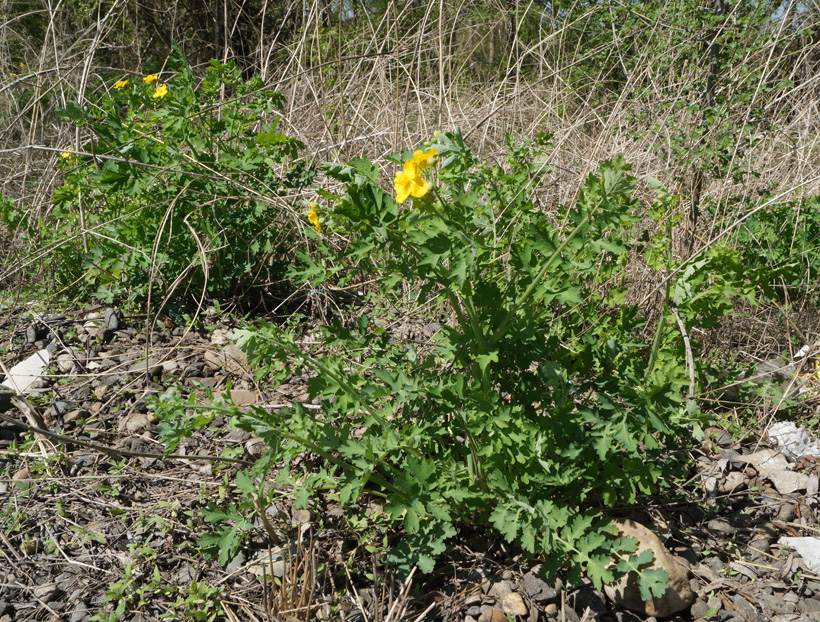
[
  {"x": 151, "y": 78},
  {"x": 402, "y": 184},
  {"x": 162, "y": 91},
  {"x": 410, "y": 183},
  {"x": 313, "y": 217},
  {"x": 422, "y": 159},
  {"x": 65, "y": 155},
  {"x": 121, "y": 84}
]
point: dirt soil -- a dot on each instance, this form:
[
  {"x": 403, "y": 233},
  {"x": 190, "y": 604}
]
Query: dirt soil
[{"x": 95, "y": 524}]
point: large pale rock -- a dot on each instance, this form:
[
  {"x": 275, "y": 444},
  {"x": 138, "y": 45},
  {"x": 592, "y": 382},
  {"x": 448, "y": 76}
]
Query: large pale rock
[{"x": 626, "y": 593}]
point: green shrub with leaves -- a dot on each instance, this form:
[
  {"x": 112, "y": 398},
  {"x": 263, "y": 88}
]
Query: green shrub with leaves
[
  {"x": 784, "y": 240},
  {"x": 178, "y": 184},
  {"x": 533, "y": 409}
]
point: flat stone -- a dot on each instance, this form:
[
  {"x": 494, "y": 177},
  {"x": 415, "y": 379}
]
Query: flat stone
[
  {"x": 626, "y": 593},
  {"x": 242, "y": 397},
  {"x": 720, "y": 527},
  {"x": 110, "y": 379},
  {"x": 809, "y": 606},
  {"x": 733, "y": 482},
  {"x": 47, "y": 592},
  {"x": 774, "y": 604},
  {"x": 699, "y": 609},
  {"x": 500, "y": 590},
  {"x": 152, "y": 365},
  {"x": 588, "y": 602},
  {"x": 538, "y": 589},
  {"x": 512, "y": 604},
  {"x": 67, "y": 363},
  {"x": 774, "y": 466},
  {"x": 491, "y": 614},
  {"x": 236, "y": 361},
  {"x": 134, "y": 423},
  {"x": 745, "y": 608}
]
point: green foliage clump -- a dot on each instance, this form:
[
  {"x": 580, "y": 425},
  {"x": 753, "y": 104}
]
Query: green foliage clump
[
  {"x": 784, "y": 239},
  {"x": 178, "y": 186},
  {"x": 533, "y": 407}
]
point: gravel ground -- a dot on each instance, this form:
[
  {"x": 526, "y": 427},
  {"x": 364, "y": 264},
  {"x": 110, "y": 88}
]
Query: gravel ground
[{"x": 89, "y": 528}]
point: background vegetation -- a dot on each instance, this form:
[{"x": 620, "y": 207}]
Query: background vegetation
[{"x": 202, "y": 193}]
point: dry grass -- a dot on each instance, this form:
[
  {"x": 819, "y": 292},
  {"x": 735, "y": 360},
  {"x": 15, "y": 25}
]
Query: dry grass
[{"x": 392, "y": 79}]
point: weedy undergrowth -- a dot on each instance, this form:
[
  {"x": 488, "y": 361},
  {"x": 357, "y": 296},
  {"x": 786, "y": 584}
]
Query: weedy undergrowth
[
  {"x": 538, "y": 406},
  {"x": 176, "y": 184}
]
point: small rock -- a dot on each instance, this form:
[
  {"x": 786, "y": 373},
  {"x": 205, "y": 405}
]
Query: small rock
[
  {"x": 134, "y": 423},
  {"x": 699, "y": 609},
  {"x": 255, "y": 448},
  {"x": 112, "y": 319},
  {"x": 733, "y": 482},
  {"x": 220, "y": 337},
  {"x": 23, "y": 475},
  {"x": 512, "y": 604},
  {"x": 810, "y": 606},
  {"x": 67, "y": 364},
  {"x": 537, "y": 588},
  {"x": 745, "y": 608},
  {"x": 588, "y": 600},
  {"x": 715, "y": 602},
  {"x": 79, "y": 614},
  {"x": 111, "y": 380},
  {"x": 500, "y": 590},
  {"x": 169, "y": 366},
  {"x": 236, "y": 361},
  {"x": 491, "y": 614},
  {"x": 720, "y": 527},
  {"x": 551, "y": 609},
  {"x": 241, "y": 397},
  {"x": 152, "y": 365},
  {"x": 47, "y": 592},
  {"x": 301, "y": 517},
  {"x": 787, "y": 512},
  {"x": 236, "y": 563},
  {"x": 774, "y": 604},
  {"x": 626, "y": 593}
]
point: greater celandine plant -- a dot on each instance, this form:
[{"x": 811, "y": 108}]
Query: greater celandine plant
[
  {"x": 177, "y": 185},
  {"x": 531, "y": 411}
]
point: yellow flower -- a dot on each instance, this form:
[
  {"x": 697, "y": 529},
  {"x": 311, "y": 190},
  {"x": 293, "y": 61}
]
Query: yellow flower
[
  {"x": 121, "y": 84},
  {"x": 409, "y": 183},
  {"x": 313, "y": 217},
  {"x": 151, "y": 78},
  {"x": 162, "y": 91},
  {"x": 65, "y": 155},
  {"x": 423, "y": 160}
]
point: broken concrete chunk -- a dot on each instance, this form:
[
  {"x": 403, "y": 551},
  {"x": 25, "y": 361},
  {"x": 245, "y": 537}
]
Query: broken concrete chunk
[{"x": 23, "y": 375}]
